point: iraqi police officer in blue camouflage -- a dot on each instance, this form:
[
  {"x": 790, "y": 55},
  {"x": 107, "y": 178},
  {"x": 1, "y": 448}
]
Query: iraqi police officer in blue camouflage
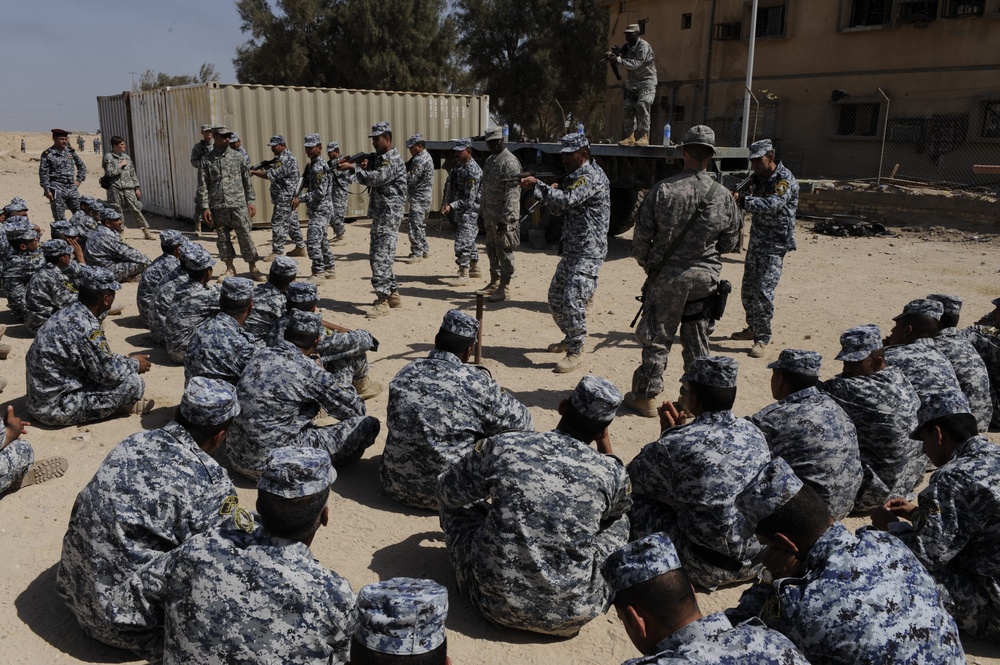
[
  {"x": 386, "y": 179},
  {"x": 463, "y": 201},
  {"x": 283, "y": 173},
  {"x": 236, "y": 143},
  {"x": 401, "y": 620},
  {"x": 18, "y": 467},
  {"x": 60, "y": 173},
  {"x": 640, "y": 90},
  {"x": 970, "y": 370},
  {"x": 911, "y": 348},
  {"x": 315, "y": 193},
  {"x": 840, "y": 597},
  {"x": 528, "y": 517},
  {"x": 226, "y": 198},
  {"x": 87, "y": 219},
  {"x": 339, "y": 191},
  {"x": 772, "y": 200},
  {"x": 170, "y": 242},
  {"x": 269, "y": 299},
  {"x": 985, "y": 337},
  {"x": 583, "y": 198},
  {"x": 954, "y": 528},
  {"x": 439, "y": 407},
  {"x": 342, "y": 352},
  {"x": 500, "y": 211},
  {"x": 810, "y": 431},
  {"x": 420, "y": 192},
  {"x": 883, "y": 407},
  {"x": 282, "y": 390},
  {"x": 195, "y": 261},
  {"x": 253, "y": 590},
  {"x": 221, "y": 347},
  {"x": 51, "y": 288},
  {"x": 124, "y": 194},
  {"x": 683, "y": 484},
  {"x": 192, "y": 309},
  {"x": 24, "y": 262},
  {"x": 106, "y": 249},
  {"x": 655, "y": 601},
  {"x": 155, "y": 490},
  {"x": 685, "y": 224},
  {"x": 72, "y": 375}
]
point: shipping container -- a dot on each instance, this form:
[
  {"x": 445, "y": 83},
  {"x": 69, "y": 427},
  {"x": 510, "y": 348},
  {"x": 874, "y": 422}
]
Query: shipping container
[{"x": 163, "y": 126}]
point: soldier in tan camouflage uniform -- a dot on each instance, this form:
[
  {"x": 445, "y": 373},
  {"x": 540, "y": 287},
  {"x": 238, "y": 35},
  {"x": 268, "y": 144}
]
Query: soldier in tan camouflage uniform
[
  {"x": 124, "y": 194},
  {"x": 501, "y": 211}
]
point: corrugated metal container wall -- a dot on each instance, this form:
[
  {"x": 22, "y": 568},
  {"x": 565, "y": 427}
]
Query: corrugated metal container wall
[
  {"x": 113, "y": 116},
  {"x": 187, "y": 109},
  {"x": 152, "y": 141}
]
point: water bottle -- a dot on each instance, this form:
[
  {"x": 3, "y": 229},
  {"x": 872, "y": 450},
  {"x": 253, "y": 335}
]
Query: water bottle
[
  {"x": 666, "y": 134},
  {"x": 579, "y": 128},
  {"x": 506, "y": 133}
]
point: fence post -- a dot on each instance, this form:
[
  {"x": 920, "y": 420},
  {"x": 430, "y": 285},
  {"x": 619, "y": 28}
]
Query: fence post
[{"x": 885, "y": 127}]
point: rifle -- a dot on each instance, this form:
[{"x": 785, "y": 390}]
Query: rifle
[
  {"x": 303, "y": 183},
  {"x": 360, "y": 157},
  {"x": 610, "y": 58},
  {"x": 265, "y": 165}
]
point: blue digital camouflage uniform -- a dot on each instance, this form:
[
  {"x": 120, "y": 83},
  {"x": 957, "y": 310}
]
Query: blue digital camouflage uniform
[
  {"x": 928, "y": 370},
  {"x": 149, "y": 282},
  {"x": 15, "y": 459},
  {"x": 124, "y": 183},
  {"x": 528, "y": 519},
  {"x": 465, "y": 180},
  {"x": 420, "y": 186},
  {"x": 640, "y": 90},
  {"x": 177, "y": 281},
  {"x": 192, "y": 310},
  {"x": 956, "y": 535},
  {"x": 224, "y": 187},
  {"x": 243, "y": 153},
  {"x": 684, "y": 485},
  {"x": 500, "y": 210},
  {"x": 343, "y": 354},
  {"x": 219, "y": 349},
  {"x": 401, "y": 616},
  {"x": 49, "y": 290},
  {"x": 584, "y": 200},
  {"x": 72, "y": 375},
  {"x": 773, "y": 204},
  {"x": 154, "y": 491},
  {"x": 971, "y": 372},
  {"x": 84, "y": 224},
  {"x": 816, "y": 437},
  {"x": 987, "y": 344},
  {"x": 883, "y": 408},
  {"x": 269, "y": 303},
  {"x": 255, "y": 597},
  {"x": 106, "y": 249},
  {"x": 284, "y": 177},
  {"x": 280, "y": 392},
  {"x": 689, "y": 275},
  {"x": 316, "y": 196},
  {"x": 438, "y": 408},
  {"x": 862, "y": 599},
  {"x": 387, "y": 180},
  {"x": 17, "y": 272},
  {"x": 58, "y": 172}
]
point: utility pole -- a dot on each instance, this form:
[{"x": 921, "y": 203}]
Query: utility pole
[
  {"x": 133, "y": 80},
  {"x": 749, "y": 82}
]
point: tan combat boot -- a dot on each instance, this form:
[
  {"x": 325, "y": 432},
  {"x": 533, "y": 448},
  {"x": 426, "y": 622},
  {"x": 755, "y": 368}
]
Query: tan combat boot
[
  {"x": 642, "y": 140},
  {"x": 628, "y": 140},
  {"x": 367, "y": 388},
  {"x": 463, "y": 275},
  {"x": 474, "y": 270},
  {"x": 380, "y": 308},
  {"x": 569, "y": 363},
  {"x": 491, "y": 287},
  {"x": 502, "y": 292},
  {"x": 255, "y": 274},
  {"x": 298, "y": 251},
  {"x": 148, "y": 234},
  {"x": 644, "y": 406},
  {"x": 395, "y": 300}
]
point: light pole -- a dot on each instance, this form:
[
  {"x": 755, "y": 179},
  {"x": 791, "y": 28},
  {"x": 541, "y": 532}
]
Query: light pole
[
  {"x": 133, "y": 80},
  {"x": 749, "y": 81}
]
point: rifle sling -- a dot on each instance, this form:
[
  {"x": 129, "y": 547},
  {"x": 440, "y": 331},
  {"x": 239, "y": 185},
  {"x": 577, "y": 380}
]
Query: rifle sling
[{"x": 654, "y": 272}]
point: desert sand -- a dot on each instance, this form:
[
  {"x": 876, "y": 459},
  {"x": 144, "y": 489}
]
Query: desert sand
[{"x": 828, "y": 285}]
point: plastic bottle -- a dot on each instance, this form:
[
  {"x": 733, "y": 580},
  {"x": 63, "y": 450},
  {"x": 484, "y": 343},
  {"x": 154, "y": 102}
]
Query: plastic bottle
[
  {"x": 579, "y": 128},
  {"x": 506, "y": 133},
  {"x": 666, "y": 134}
]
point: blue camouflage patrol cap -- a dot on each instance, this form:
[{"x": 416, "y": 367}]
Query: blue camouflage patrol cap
[
  {"x": 760, "y": 148},
  {"x": 596, "y": 398},
  {"x": 19, "y": 228},
  {"x": 302, "y": 292},
  {"x": 16, "y": 205},
  {"x": 64, "y": 228},
  {"x": 55, "y": 248},
  {"x": 110, "y": 213},
  {"x": 573, "y": 142},
  {"x": 293, "y": 472},
  {"x": 797, "y": 361},
  {"x": 414, "y": 140},
  {"x": 277, "y": 139},
  {"x": 638, "y": 562},
  {"x": 208, "y": 402},
  {"x": 332, "y": 145},
  {"x": 380, "y": 128},
  {"x": 714, "y": 371},
  {"x": 237, "y": 289},
  {"x": 284, "y": 266},
  {"x": 312, "y": 140},
  {"x": 773, "y": 486},
  {"x": 459, "y": 323},
  {"x": 936, "y": 405},
  {"x": 309, "y": 323},
  {"x": 234, "y": 137},
  {"x": 99, "y": 279},
  {"x": 195, "y": 257},
  {"x": 922, "y": 307},
  {"x": 462, "y": 144},
  {"x": 859, "y": 342},
  {"x": 402, "y": 616},
  {"x": 88, "y": 201},
  {"x": 952, "y": 304},
  {"x": 171, "y": 239}
]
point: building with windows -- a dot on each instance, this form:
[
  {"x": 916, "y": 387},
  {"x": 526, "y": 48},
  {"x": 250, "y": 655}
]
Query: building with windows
[{"x": 844, "y": 87}]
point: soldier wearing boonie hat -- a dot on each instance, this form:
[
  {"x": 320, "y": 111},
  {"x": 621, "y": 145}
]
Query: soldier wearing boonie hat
[
  {"x": 420, "y": 192},
  {"x": 220, "y": 347},
  {"x": 463, "y": 200},
  {"x": 402, "y": 616},
  {"x": 547, "y": 485}
]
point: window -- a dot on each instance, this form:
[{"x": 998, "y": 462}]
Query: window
[
  {"x": 685, "y": 21},
  {"x": 728, "y": 31},
  {"x": 870, "y": 12},
  {"x": 770, "y": 21},
  {"x": 963, "y": 8},
  {"x": 991, "y": 120},
  {"x": 905, "y": 130},
  {"x": 857, "y": 118},
  {"x": 920, "y": 12}
]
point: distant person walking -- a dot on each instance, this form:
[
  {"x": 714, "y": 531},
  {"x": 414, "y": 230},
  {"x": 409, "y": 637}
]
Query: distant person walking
[
  {"x": 24, "y": 147},
  {"x": 80, "y": 143}
]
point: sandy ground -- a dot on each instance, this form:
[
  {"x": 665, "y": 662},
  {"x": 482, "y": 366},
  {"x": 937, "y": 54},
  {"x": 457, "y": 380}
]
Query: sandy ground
[{"x": 829, "y": 284}]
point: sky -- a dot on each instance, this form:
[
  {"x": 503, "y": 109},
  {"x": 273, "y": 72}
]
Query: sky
[{"x": 60, "y": 55}]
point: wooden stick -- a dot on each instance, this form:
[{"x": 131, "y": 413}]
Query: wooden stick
[
  {"x": 987, "y": 169},
  {"x": 480, "y": 298}
]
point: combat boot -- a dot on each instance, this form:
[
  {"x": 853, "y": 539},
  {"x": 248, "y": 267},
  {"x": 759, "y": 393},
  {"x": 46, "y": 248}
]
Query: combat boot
[
  {"x": 558, "y": 347},
  {"x": 413, "y": 258},
  {"x": 644, "y": 406},
  {"x": 5, "y": 351},
  {"x": 642, "y": 140},
  {"x": 489, "y": 289},
  {"x": 148, "y": 234},
  {"x": 463, "y": 275},
  {"x": 380, "y": 308},
  {"x": 569, "y": 363},
  {"x": 367, "y": 388},
  {"x": 230, "y": 270},
  {"x": 628, "y": 140},
  {"x": 331, "y": 273},
  {"x": 197, "y": 227},
  {"x": 474, "y": 270},
  {"x": 298, "y": 251},
  {"x": 395, "y": 300},
  {"x": 502, "y": 293},
  {"x": 255, "y": 274}
]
